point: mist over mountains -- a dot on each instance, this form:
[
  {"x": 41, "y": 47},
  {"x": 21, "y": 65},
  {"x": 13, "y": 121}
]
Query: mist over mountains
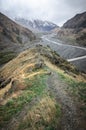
[
  {"x": 37, "y": 25},
  {"x": 55, "y": 11}
]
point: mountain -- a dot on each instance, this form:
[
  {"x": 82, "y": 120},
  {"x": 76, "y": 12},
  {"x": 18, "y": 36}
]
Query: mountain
[
  {"x": 39, "y": 90},
  {"x": 12, "y": 38},
  {"x": 13, "y": 32},
  {"x": 78, "y": 21},
  {"x": 36, "y": 25},
  {"x": 74, "y": 30}
]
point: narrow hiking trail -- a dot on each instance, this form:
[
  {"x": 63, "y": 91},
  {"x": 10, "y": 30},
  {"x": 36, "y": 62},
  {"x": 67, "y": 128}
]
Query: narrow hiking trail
[{"x": 70, "y": 118}]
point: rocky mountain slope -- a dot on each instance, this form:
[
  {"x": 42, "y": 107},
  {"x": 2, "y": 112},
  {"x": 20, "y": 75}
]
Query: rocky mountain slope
[
  {"x": 39, "y": 90},
  {"x": 36, "y": 25},
  {"x": 74, "y": 30},
  {"x": 78, "y": 21},
  {"x": 13, "y": 32},
  {"x": 12, "y": 37}
]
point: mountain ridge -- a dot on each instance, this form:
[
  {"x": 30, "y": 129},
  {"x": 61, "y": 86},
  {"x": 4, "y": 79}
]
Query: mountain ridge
[
  {"x": 78, "y": 21},
  {"x": 74, "y": 30},
  {"x": 36, "y": 89}
]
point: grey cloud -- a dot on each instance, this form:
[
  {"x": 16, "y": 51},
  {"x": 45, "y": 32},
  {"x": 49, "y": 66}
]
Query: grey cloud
[{"x": 57, "y": 11}]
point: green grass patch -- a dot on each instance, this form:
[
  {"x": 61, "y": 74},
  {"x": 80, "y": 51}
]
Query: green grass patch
[
  {"x": 77, "y": 88},
  {"x": 35, "y": 87}
]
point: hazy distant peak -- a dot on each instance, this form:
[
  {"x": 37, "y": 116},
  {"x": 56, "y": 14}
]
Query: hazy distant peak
[{"x": 36, "y": 24}]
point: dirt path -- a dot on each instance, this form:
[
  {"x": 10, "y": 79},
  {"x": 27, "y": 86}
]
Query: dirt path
[{"x": 70, "y": 119}]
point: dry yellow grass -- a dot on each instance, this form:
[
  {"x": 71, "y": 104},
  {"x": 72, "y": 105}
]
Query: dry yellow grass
[
  {"x": 22, "y": 67},
  {"x": 41, "y": 115},
  {"x": 18, "y": 67},
  {"x": 4, "y": 90},
  {"x": 79, "y": 78}
]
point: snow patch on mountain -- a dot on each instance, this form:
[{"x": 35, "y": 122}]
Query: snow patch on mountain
[{"x": 37, "y": 25}]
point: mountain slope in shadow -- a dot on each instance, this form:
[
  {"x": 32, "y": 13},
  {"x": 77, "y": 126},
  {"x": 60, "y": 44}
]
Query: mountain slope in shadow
[{"x": 12, "y": 38}]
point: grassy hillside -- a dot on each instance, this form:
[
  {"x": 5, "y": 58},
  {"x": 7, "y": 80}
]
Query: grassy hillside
[{"x": 26, "y": 99}]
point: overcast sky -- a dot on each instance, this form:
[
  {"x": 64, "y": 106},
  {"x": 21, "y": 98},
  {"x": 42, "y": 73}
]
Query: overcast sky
[{"x": 57, "y": 11}]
